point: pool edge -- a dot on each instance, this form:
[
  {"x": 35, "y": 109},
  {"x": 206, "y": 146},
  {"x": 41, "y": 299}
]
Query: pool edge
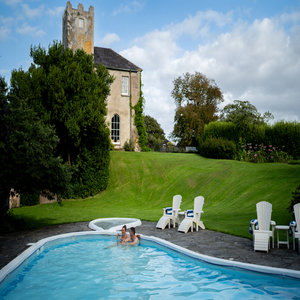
[{"x": 11, "y": 266}]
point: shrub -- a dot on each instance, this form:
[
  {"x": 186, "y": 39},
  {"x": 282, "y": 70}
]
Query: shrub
[
  {"x": 128, "y": 146},
  {"x": 217, "y": 148},
  {"x": 262, "y": 153},
  {"x": 295, "y": 199},
  {"x": 29, "y": 199}
]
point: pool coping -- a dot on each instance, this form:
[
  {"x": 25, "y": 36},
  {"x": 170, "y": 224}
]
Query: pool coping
[
  {"x": 34, "y": 247},
  {"x": 135, "y": 223}
]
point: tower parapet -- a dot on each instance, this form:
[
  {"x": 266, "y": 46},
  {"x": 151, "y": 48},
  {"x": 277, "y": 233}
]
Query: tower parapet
[{"x": 78, "y": 28}]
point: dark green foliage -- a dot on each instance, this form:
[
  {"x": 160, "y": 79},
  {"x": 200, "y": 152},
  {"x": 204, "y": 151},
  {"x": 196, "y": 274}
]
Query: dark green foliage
[
  {"x": 63, "y": 88},
  {"x": 28, "y": 159},
  {"x": 295, "y": 199},
  {"x": 285, "y": 134},
  {"x": 28, "y": 199},
  {"x": 243, "y": 113},
  {"x": 139, "y": 121},
  {"x": 155, "y": 133},
  {"x": 217, "y": 148},
  {"x": 284, "y": 137},
  {"x": 225, "y": 130},
  {"x": 128, "y": 146},
  {"x": 260, "y": 153},
  {"x": 197, "y": 98}
]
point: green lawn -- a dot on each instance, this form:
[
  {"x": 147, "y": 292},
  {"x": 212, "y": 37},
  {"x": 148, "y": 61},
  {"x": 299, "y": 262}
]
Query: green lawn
[{"x": 141, "y": 184}]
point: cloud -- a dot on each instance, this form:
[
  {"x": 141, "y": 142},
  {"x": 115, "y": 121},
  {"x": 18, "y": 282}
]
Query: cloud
[
  {"x": 257, "y": 61},
  {"x": 56, "y": 11},
  {"x": 130, "y": 7},
  {"x": 26, "y": 29},
  {"x": 12, "y": 2},
  {"x": 4, "y": 32},
  {"x": 109, "y": 39},
  {"x": 29, "y": 12}
]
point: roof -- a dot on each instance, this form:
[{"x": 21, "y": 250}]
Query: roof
[{"x": 112, "y": 60}]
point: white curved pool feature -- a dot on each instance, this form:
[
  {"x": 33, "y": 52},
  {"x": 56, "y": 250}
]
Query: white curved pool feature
[{"x": 113, "y": 224}]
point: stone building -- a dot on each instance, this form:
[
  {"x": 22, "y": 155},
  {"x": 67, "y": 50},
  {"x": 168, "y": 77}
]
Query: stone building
[{"x": 78, "y": 33}]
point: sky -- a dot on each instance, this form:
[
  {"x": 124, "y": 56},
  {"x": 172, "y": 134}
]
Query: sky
[{"x": 250, "y": 48}]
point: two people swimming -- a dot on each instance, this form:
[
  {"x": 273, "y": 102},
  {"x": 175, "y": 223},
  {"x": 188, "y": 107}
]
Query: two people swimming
[{"x": 125, "y": 239}]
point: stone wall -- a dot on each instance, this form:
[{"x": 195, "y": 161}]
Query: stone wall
[
  {"x": 120, "y": 104},
  {"x": 78, "y": 28}
]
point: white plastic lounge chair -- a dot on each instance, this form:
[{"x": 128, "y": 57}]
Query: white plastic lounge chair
[
  {"x": 170, "y": 214},
  {"x": 296, "y": 234},
  {"x": 192, "y": 217},
  {"x": 262, "y": 235}
]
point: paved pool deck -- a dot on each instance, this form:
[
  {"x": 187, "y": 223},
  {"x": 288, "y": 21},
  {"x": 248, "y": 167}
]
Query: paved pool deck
[{"x": 206, "y": 242}]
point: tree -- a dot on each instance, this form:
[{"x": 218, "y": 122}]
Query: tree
[
  {"x": 27, "y": 151},
  {"x": 155, "y": 133},
  {"x": 139, "y": 120},
  {"x": 69, "y": 93},
  {"x": 243, "y": 113},
  {"x": 196, "y": 98}
]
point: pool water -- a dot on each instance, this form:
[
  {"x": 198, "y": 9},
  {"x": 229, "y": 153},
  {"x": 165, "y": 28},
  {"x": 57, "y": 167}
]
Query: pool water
[{"x": 84, "y": 268}]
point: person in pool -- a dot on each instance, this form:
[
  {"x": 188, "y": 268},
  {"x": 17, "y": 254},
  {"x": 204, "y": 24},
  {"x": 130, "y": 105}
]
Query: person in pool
[
  {"x": 124, "y": 238},
  {"x": 134, "y": 239}
]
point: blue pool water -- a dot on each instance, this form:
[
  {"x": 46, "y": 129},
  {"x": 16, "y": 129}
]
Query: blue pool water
[{"x": 84, "y": 268}]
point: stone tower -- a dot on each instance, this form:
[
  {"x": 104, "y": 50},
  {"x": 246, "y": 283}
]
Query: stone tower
[{"x": 78, "y": 28}]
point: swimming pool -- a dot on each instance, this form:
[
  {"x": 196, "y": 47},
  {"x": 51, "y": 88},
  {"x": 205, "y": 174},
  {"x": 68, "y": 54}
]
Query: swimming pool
[{"x": 82, "y": 267}]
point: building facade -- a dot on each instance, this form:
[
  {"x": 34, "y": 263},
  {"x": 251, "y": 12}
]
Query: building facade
[{"x": 78, "y": 33}]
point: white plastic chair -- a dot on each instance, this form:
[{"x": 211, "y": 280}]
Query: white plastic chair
[
  {"x": 296, "y": 234},
  {"x": 170, "y": 214},
  {"x": 262, "y": 235},
  {"x": 192, "y": 217}
]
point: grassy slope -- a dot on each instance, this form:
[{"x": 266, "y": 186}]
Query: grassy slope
[{"x": 142, "y": 183}]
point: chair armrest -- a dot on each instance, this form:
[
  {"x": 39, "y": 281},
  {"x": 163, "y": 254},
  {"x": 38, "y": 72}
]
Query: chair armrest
[
  {"x": 273, "y": 224},
  {"x": 293, "y": 226},
  {"x": 166, "y": 208}
]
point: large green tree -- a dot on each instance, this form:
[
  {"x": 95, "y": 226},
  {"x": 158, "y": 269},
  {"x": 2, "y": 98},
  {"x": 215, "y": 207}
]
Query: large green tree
[
  {"x": 27, "y": 151},
  {"x": 68, "y": 92},
  {"x": 155, "y": 134},
  {"x": 196, "y": 98},
  {"x": 243, "y": 113}
]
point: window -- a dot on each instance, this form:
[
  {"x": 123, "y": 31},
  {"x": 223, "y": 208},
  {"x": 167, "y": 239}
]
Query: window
[
  {"x": 80, "y": 23},
  {"x": 125, "y": 85},
  {"x": 115, "y": 129}
]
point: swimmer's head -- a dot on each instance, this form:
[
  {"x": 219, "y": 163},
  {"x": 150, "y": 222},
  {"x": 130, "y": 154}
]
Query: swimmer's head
[{"x": 132, "y": 230}]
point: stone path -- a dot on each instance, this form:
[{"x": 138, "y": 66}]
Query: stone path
[{"x": 205, "y": 242}]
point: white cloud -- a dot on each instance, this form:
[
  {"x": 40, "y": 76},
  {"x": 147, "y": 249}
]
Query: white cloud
[
  {"x": 258, "y": 62},
  {"x": 4, "y": 32},
  {"x": 12, "y": 2},
  {"x": 108, "y": 39},
  {"x": 29, "y": 12},
  {"x": 56, "y": 11},
  {"x": 30, "y": 30},
  {"x": 130, "y": 7}
]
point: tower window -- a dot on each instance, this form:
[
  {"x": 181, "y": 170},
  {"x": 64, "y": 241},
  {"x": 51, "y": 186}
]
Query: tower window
[
  {"x": 115, "y": 129},
  {"x": 80, "y": 23},
  {"x": 125, "y": 85}
]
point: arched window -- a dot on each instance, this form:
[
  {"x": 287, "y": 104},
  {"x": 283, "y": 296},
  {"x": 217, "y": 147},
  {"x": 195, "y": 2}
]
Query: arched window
[{"x": 115, "y": 129}]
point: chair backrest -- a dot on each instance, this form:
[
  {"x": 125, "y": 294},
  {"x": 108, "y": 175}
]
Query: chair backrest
[
  {"x": 264, "y": 212},
  {"x": 297, "y": 214},
  {"x": 176, "y": 201},
  {"x": 198, "y": 203}
]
